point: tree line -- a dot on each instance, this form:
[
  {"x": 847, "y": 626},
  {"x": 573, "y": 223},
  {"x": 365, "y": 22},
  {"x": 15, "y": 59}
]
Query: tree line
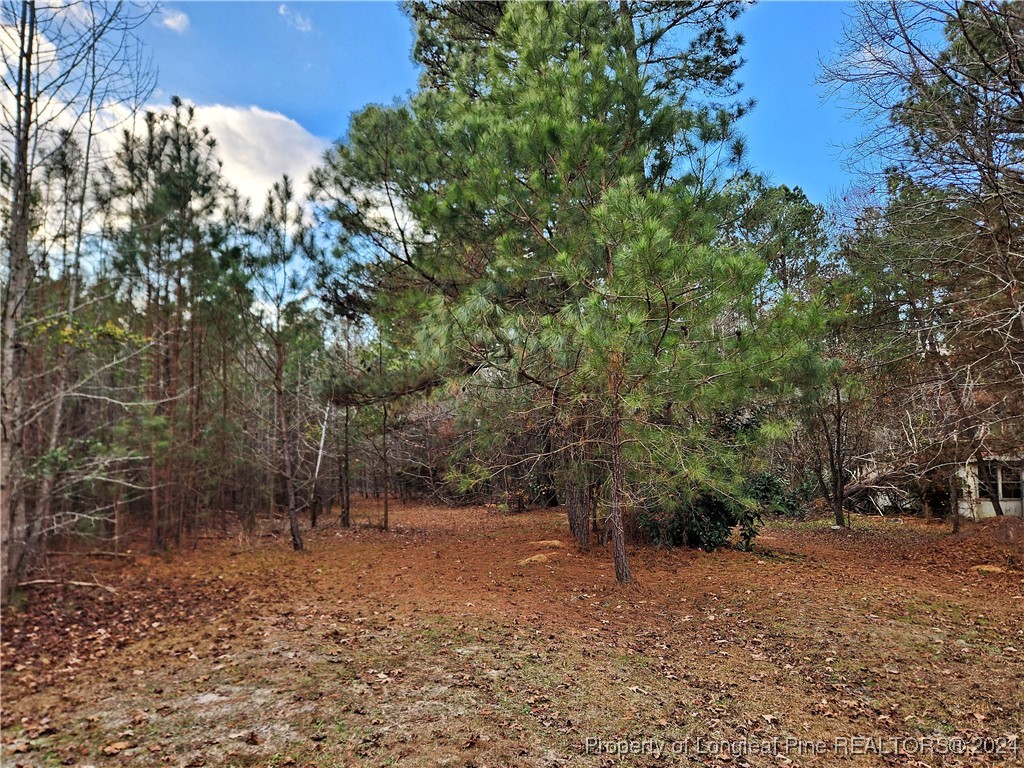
[{"x": 546, "y": 277}]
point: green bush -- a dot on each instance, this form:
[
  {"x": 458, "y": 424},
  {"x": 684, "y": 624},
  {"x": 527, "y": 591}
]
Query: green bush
[
  {"x": 706, "y": 522},
  {"x": 770, "y": 491}
]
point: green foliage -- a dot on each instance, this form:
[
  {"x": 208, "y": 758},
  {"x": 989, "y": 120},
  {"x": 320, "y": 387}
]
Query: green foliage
[
  {"x": 706, "y": 521},
  {"x": 541, "y": 220},
  {"x": 774, "y": 497}
]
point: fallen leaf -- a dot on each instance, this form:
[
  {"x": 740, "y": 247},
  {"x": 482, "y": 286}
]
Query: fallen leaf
[{"x": 116, "y": 748}]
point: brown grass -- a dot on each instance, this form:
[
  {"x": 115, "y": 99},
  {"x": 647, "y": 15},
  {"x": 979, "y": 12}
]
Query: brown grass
[{"x": 432, "y": 645}]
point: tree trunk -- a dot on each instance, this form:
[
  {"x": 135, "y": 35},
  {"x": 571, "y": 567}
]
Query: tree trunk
[
  {"x": 346, "y": 516},
  {"x": 997, "y": 506},
  {"x": 152, "y": 310},
  {"x": 118, "y": 523},
  {"x": 838, "y": 461},
  {"x": 44, "y": 500},
  {"x": 222, "y": 437},
  {"x": 574, "y": 475},
  {"x": 954, "y": 500},
  {"x": 616, "y": 375},
  {"x": 622, "y": 571},
  {"x": 286, "y": 447},
  {"x": 387, "y": 467},
  {"x": 317, "y": 488},
  {"x": 15, "y": 544},
  {"x": 996, "y": 474},
  {"x": 578, "y": 511},
  {"x": 345, "y": 489}
]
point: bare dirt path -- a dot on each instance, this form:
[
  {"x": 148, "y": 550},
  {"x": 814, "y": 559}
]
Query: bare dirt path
[{"x": 433, "y": 645}]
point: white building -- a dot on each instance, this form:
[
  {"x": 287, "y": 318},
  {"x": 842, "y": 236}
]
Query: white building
[{"x": 988, "y": 480}]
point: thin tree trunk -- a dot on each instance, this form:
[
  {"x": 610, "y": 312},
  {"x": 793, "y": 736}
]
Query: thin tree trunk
[
  {"x": 839, "y": 475},
  {"x": 174, "y": 469},
  {"x": 155, "y": 538},
  {"x": 316, "y": 472},
  {"x": 622, "y": 571},
  {"x": 995, "y": 474},
  {"x": 954, "y": 500},
  {"x": 578, "y": 512},
  {"x": 833, "y": 489},
  {"x": 15, "y": 544},
  {"x": 44, "y": 497},
  {"x": 576, "y": 488},
  {"x": 387, "y": 468},
  {"x": 118, "y": 523},
  {"x": 384, "y": 435},
  {"x": 222, "y": 435},
  {"x": 615, "y": 381},
  {"x": 343, "y": 476},
  {"x": 289, "y": 482}
]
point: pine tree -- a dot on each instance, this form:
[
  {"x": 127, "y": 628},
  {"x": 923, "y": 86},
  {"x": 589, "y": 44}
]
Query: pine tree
[{"x": 560, "y": 236}]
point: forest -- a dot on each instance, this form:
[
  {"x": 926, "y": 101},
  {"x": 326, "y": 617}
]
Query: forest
[
  {"x": 543, "y": 301},
  {"x": 553, "y": 282}
]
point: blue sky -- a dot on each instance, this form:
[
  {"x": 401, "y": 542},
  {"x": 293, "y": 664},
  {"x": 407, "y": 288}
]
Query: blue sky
[
  {"x": 277, "y": 82},
  {"x": 793, "y": 135}
]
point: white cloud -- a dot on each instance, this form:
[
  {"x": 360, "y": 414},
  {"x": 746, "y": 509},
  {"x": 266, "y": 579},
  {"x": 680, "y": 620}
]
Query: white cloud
[
  {"x": 174, "y": 19},
  {"x": 294, "y": 19},
  {"x": 258, "y": 146}
]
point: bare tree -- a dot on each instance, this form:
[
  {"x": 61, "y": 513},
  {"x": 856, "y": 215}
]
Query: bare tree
[
  {"x": 73, "y": 68},
  {"x": 940, "y": 85},
  {"x": 280, "y": 286}
]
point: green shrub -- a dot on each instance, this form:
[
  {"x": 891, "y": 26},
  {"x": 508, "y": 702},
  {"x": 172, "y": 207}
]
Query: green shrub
[
  {"x": 705, "y": 522},
  {"x": 770, "y": 491}
]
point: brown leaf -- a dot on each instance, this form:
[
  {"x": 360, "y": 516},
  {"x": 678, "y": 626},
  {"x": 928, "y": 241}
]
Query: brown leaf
[{"x": 116, "y": 748}]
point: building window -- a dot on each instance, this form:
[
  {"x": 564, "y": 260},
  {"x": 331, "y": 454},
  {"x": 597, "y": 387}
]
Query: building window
[{"x": 1010, "y": 485}]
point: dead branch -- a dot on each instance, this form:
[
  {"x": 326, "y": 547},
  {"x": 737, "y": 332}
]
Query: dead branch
[
  {"x": 91, "y": 554},
  {"x": 72, "y": 583}
]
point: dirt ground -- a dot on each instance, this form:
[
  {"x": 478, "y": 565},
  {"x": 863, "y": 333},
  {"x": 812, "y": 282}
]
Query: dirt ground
[{"x": 893, "y": 644}]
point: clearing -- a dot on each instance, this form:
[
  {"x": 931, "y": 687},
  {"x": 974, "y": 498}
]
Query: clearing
[{"x": 433, "y": 644}]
